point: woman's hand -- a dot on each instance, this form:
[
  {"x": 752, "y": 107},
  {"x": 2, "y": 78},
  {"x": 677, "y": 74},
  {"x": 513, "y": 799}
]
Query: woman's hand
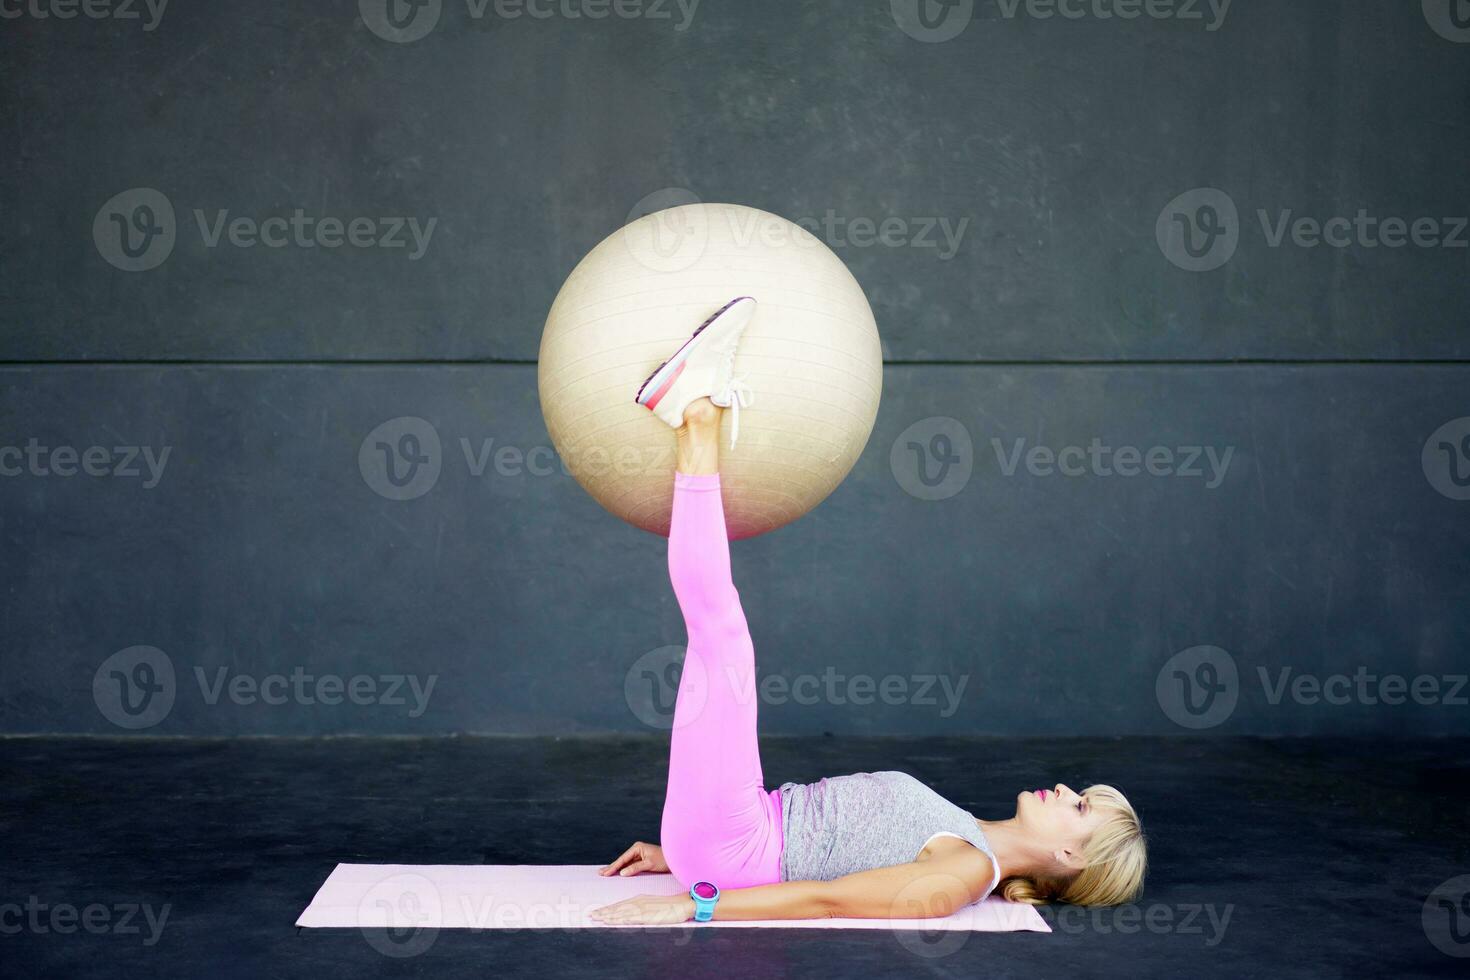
[
  {"x": 637, "y": 859},
  {"x": 646, "y": 910}
]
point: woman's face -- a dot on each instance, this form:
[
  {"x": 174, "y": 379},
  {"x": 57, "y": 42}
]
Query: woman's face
[{"x": 1057, "y": 819}]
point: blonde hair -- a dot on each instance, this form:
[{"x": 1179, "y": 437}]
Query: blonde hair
[{"x": 1116, "y": 856}]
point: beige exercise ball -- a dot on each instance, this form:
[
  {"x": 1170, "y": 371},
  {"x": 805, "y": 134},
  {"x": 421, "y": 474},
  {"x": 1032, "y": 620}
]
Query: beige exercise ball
[{"x": 811, "y": 355}]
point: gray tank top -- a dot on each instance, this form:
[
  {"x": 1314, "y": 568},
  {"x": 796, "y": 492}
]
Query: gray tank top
[{"x": 847, "y": 824}]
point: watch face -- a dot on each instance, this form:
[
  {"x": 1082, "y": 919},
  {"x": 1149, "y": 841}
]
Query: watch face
[{"x": 705, "y": 890}]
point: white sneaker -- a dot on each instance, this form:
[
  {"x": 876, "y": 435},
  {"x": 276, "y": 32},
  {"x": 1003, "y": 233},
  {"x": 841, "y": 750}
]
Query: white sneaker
[{"x": 703, "y": 367}]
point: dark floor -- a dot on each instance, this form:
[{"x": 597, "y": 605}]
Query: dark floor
[{"x": 1271, "y": 858}]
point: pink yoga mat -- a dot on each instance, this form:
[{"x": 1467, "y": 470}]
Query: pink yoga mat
[{"x": 536, "y": 896}]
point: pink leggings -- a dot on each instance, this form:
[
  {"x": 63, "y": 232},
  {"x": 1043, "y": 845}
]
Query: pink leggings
[{"x": 719, "y": 822}]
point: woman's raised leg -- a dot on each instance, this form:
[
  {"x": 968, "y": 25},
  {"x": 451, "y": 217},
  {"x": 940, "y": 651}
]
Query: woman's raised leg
[{"x": 719, "y": 823}]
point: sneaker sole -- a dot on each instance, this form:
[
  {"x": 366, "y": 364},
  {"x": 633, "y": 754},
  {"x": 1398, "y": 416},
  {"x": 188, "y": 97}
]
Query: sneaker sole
[{"x": 648, "y": 391}]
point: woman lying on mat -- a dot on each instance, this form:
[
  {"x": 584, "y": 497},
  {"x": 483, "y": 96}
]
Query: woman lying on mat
[{"x": 869, "y": 845}]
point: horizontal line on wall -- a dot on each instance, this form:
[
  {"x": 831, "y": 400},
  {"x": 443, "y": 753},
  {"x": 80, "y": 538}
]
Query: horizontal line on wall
[
  {"x": 519, "y": 362},
  {"x": 1162, "y": 362}
]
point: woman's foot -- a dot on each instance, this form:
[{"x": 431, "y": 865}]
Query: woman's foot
[
  {"x": 704, "y": 367},
  {"x": 698, "y": 449},
  {"x": 702, "y": 413}
]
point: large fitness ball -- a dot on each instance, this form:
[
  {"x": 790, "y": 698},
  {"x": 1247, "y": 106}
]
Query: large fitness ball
[{"x": 811, "y": 356}]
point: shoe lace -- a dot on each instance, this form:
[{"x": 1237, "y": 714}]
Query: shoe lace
[{"x": 737, "y": 395}]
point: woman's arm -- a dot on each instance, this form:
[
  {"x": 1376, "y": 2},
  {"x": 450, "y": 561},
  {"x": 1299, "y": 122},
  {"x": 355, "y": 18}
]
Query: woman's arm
[{"x": 934, "y": 887}]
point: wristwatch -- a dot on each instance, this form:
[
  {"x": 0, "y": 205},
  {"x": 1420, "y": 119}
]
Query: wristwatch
[{"x": 705, "y": 896}]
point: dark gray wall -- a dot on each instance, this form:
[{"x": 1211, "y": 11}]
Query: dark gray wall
[{"x": 1331, "y": 541}]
